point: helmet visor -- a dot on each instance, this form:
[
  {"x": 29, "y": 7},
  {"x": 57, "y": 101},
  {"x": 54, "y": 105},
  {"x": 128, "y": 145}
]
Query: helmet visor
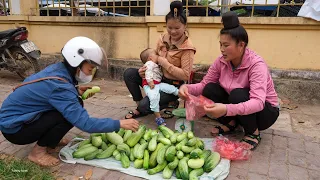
[{"x": 104, "y": 60}]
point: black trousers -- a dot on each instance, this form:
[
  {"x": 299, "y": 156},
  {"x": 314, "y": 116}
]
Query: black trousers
[
  {"x": 134, "y": 82},
  {"x": 261, "y": 120},
  {"x": 47, "y": 131}
]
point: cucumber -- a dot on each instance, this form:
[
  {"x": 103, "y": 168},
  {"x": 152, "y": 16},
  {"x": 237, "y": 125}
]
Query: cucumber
[
  {"x": 114, "y": 138},
  {"x": 187, "y": 149},
  {"x": 141, "y": 149},
  {"x": 157, "y": 169},
  {"x": 173, "y": 138},
  {"x": 161, "y": 154},
  {"x": 132, "y": 158},
  {"x": 154, "y": 155},
  {"x": 195, "y": 163},
  {"x": 85, "y": 146},
  {"x": 135, "y": 150},
  {"x": 124, "y": 160},
  {"x": 124, "y": 148},
  {"x": 104, "y": 138},
  {"x": 94, "y": 89},
  {"x": 104, "y": 146},
  {"x": 121, "y": 132},
  {"x": 180, "y": 144},
  {"x": 107, "y": 153},
  {"x": 146, "y": 160},
  {"x": 153, "y": 143},
  {"x": 181, "y": 137},
  {"x": 126, "y": 135},
  {"x": 138, "y": 163},
  {"x": 171, "y": 153},
  {"x": 84, "y": 142},
  {"x": 164, "y": 141},
  {"x": 172, "y": 165},
  {"x": 194, "y": 174},
  {"x": 81, "y": 153},
  {"x": 192, "y": 142},
  {"x": 180, "y": 154},
  {"x": 91, "y": 155},
  {"x": 190, "y": 135},
  {"x": 167, "y": 173}
]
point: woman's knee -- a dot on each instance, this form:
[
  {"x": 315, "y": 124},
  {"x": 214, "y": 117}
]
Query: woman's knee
[
  {"x": 210, "y": 88},
  {"x": 239, "y": 95},
  {"x": 129, "y": 73}
]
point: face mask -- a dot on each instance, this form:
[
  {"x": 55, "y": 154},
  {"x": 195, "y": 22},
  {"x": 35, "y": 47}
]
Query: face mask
[{"x": 83, "y": 78}]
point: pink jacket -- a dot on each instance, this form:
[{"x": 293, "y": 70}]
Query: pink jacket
[{"x": 253, "y": 73}]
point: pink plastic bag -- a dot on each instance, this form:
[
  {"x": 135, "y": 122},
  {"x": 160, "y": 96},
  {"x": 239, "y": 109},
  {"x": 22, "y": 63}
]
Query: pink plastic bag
[
  {"x": 195, "y": 107},
  {"x": 233, "y": 150}
]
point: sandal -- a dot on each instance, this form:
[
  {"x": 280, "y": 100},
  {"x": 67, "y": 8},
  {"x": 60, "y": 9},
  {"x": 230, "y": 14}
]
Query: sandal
[
  {"x": 133, "y": 115},
  {"x": 230, "y": 127},
  {"x": 160, "y": 121},
  {"x": 253, "y": 143},
  {"x": 167, "y": 114}
]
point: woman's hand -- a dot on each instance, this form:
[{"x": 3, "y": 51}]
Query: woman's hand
[
  {"x": 129, "y": 124},
  {"x": 82, "y": 89},
  {"x": 183, "y": 92},
  {"x": 142, "y": 71},
  {"x": 216, "y": 110}
]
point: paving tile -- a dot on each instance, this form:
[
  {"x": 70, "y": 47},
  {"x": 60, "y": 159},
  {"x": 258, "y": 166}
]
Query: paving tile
[
  {"x": 13, "y": 149},
  {"x": 313, "y": 162},
  {"x": 312, "y": 139},
  {"x": 297, "y": 173},
  {"x": 67, "y": 168},
  {"x": 259, "y": 167},
  {"x": 278, "y": 156},
  {"x": 24, "y": 152},
  {"x": 287, "y": 134},
  {"x": 314, "y": 175},
  {"x": 240, "y": 164},
  {"x": 279, "y": 142},
  {"x": 278, "y": 171},
  {"x": 237, "y": 174},
  {"x": 4, "y": 145},
  {"x": 113, "y": 175},
  {"x": 296, "y": 144},
  {"x": 99, "y": 173},
  {"x": 297, "y": 158},
  {"x": 253, "y": 176},
  {"x": 312, "y": 148}
]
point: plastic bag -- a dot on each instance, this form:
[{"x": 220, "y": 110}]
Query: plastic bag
[
  {"x": 232, "y": 150},
  {"x": 195, "y": 107}
]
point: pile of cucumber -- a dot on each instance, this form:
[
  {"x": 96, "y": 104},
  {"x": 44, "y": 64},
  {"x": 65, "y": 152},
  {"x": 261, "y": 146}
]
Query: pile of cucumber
[{"x": 152, "y": 150}]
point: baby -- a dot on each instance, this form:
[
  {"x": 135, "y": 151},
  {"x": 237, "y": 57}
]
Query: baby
[{"x": 152, "y": 82}]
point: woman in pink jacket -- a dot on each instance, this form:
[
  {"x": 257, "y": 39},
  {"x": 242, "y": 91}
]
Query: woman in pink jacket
[{"x": 240, "y": 84}]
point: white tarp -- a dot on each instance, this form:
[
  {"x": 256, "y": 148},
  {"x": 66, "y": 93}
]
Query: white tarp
[
  {"x": 310, "y": 9},
  {"x": 220, "y": 172}
]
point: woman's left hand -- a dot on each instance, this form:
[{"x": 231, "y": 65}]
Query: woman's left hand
[
  {"x": 82, "y": 89},
  {"x": 216, "y": 110}
]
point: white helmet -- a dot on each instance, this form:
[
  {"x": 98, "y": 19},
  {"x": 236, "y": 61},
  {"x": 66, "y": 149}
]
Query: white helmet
[{"x": 79, "y": 49}]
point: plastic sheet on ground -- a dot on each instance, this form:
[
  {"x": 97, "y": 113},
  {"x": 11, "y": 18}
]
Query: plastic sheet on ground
[{"x": 220, "y": 172}]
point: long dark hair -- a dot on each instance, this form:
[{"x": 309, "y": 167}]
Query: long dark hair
[
  {"x": 232, "y": 27},
  {"x": 176, "y": 12}
]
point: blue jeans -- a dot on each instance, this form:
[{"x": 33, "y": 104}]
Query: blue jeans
[{"x": 154, "y": 94}]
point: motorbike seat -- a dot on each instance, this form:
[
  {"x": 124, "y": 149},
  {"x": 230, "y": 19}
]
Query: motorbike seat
[{"x": 7, "y": 33}]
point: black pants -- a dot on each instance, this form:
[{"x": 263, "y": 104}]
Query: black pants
[
  {"x": 47, "y": 131},
  {"x": 261, "y": 120},
  {"x": 134, "y": 82}
]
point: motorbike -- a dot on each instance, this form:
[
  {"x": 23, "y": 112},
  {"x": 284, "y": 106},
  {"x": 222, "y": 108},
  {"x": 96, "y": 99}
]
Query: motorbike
[{"x": 17, "y": 53}]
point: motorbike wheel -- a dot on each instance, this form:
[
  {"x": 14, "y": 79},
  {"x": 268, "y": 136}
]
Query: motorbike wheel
[{"x": 27, "y": 64}]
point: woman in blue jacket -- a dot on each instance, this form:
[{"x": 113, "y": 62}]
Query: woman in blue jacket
[{"x": 47, "y": 105}]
